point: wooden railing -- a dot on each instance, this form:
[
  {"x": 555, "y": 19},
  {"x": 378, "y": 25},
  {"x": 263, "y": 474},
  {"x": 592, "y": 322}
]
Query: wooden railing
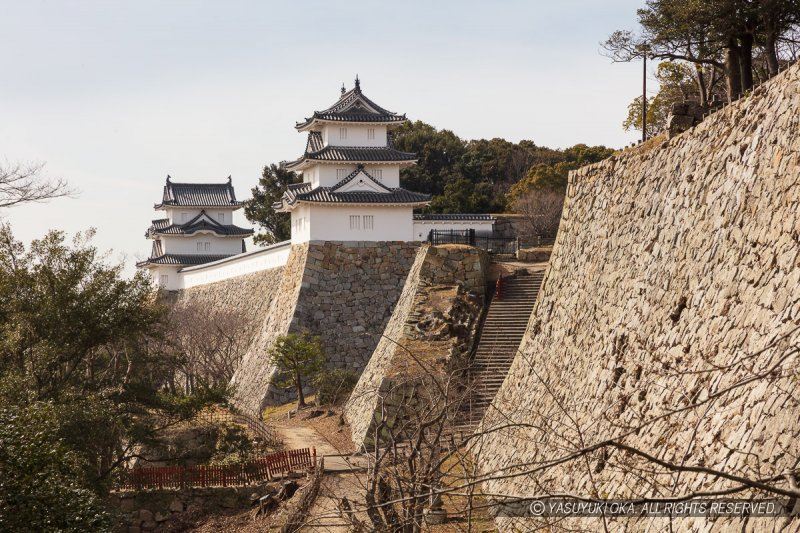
[{"x": 262, "y": 469}]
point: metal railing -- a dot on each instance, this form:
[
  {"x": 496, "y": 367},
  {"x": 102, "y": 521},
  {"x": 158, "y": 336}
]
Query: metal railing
[{"x": 493, "y": 245}]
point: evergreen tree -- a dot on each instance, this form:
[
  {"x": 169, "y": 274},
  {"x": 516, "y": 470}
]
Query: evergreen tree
[
  {"x": 271, "y": 186},
  {"x": 299, "y": 357}
]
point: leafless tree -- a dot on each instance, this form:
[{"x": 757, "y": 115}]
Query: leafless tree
[
  {"x": 208, "y": 342},
  {"x": 20, "y": 184},
  {"x": 418, "y": 454},
  {"x": 541, "y": 209}
]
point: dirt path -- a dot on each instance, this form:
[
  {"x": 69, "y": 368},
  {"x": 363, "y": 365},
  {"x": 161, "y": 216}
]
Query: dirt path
[
  {"x": 341, "y": 478},
  {"x": 295, "y": 437}
]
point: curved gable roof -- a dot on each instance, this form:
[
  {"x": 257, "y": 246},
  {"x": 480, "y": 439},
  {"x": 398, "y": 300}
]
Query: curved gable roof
[
  {"x": 198, "y": 195},
  {"x": 353, "y": 106}
]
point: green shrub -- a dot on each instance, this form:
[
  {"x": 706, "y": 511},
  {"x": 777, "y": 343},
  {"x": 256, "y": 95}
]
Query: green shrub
[
  {"x": 334, "y": 386},
  {"x": 43, "y": 486}
]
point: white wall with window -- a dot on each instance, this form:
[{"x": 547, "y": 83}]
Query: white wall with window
[
  {"x": 388, "y": 175},
  {"x": 354, "y": 223},
  {"x": 327, "y": 175},
  {"x": 301, "y": 224},
  {"x": 182, "y": 216},
  {"x": 354, "y": 135},
  {"x": 203, "y": 243}
]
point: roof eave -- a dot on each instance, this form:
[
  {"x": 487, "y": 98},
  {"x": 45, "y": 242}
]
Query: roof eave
[
  {"x": 314, "y": 123},
  {"x": 420, "y": 203},
  {"x": 307, "y": 162},
  {"x": 234, "y": 207}
]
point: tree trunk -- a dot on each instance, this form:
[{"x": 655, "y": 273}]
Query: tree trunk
[
  {"x": 301, "y": 399},
  {"x": 732, "y": 70},
  {"x": 771, "y": 52},
  {"x": 700, "y": 78},
  {"x": 746, "y": 60}
]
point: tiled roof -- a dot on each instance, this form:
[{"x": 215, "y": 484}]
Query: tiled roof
[
  {"x": 201, "y": 222},
  {"x": 353, "y": 106},
  {"x": 199, "y": 195},
  {"x": 396, "y": 196},
  {"x": 182, "y": 259},
  {"x": 353, "y": 154},
  {"x": 454, "y": 217},
  {"x": 303, "y": 192}
]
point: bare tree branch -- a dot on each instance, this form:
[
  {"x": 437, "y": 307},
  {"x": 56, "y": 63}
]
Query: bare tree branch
[{"x": 20, "y": 184}]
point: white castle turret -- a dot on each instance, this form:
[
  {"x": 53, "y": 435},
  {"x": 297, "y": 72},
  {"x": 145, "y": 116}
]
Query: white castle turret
[
  {"x": 197, "y": 228},
  {"x": 351, "y": 176}
]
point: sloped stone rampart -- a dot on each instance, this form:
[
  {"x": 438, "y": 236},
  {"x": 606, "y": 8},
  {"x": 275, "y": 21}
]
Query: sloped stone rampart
[
  {"x": 671, "y": 266},
  {"x": 249, "y": 293},
  {"x": 251, "y": 382},
  {"x": 343, "y": 292},
  {"x": 461, "y": 267}
]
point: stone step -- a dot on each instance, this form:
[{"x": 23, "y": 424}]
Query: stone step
[{"x": 502, "y": 331}]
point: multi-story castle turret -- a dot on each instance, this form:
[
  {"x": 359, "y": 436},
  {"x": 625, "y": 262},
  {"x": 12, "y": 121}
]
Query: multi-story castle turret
[
  {"x": 351, "y": 176},
  {"x": 197, "y": 228}
]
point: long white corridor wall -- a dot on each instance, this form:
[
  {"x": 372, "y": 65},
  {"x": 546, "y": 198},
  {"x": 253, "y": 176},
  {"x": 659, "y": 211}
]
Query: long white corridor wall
[{"x": 272, "y": 256}]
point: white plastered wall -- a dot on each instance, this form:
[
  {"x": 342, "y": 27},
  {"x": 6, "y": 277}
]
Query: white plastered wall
[
  {"x": 328, "y": 223},
  {"x": 188, "y": 245},
  {"x": 357, "y": 135}
]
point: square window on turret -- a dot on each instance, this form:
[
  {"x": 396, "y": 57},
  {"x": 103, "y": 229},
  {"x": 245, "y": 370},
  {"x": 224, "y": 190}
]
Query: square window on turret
[
  {"x": 341, "y": 173},
  {"x": 355, "y": 222},
  {"x": 342, "y": 133},
  {"x": 369, "y": 222},
  {"x": 370, "y": 133}
]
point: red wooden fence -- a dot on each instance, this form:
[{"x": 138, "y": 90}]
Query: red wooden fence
[{"x": 261, "y": 469}]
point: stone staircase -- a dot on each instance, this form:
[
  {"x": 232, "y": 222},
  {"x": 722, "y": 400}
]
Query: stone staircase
[{"x": 500, "y": 337}]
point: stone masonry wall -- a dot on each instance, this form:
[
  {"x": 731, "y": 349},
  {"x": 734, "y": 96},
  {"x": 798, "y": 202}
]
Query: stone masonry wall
[
  {"x": 176, "y": 510},
  {"x": 453, "y": 265},
  {"x": 675, "y": 275},
  {"x": 250, "y": 293},
  {"x": 251, "y": 382},
  {"x": 348, "y": 293},
  {"x": 343, "y": 292}
]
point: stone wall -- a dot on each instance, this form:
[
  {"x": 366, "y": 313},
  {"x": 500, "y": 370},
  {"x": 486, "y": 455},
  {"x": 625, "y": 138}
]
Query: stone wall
[
  {"x": 671, "y": 267},
  {"x": 456, "y": 264},
  {"x": 435, "y": 268},
  {"x": 176, "y": 510},
  {"x": 251, "y": 293},
  {"x": 343, "y": 292},
  {"x": 251, "y": 382}
]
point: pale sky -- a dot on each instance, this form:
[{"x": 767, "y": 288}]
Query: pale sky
[{"x": 114, "y": 95}]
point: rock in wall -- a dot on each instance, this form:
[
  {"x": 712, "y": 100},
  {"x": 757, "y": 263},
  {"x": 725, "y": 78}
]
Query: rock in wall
[
  {"x": 436, "y": 267},
  {"x": 343, "y": 292},
  {"x": 674, "y": 279}
]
